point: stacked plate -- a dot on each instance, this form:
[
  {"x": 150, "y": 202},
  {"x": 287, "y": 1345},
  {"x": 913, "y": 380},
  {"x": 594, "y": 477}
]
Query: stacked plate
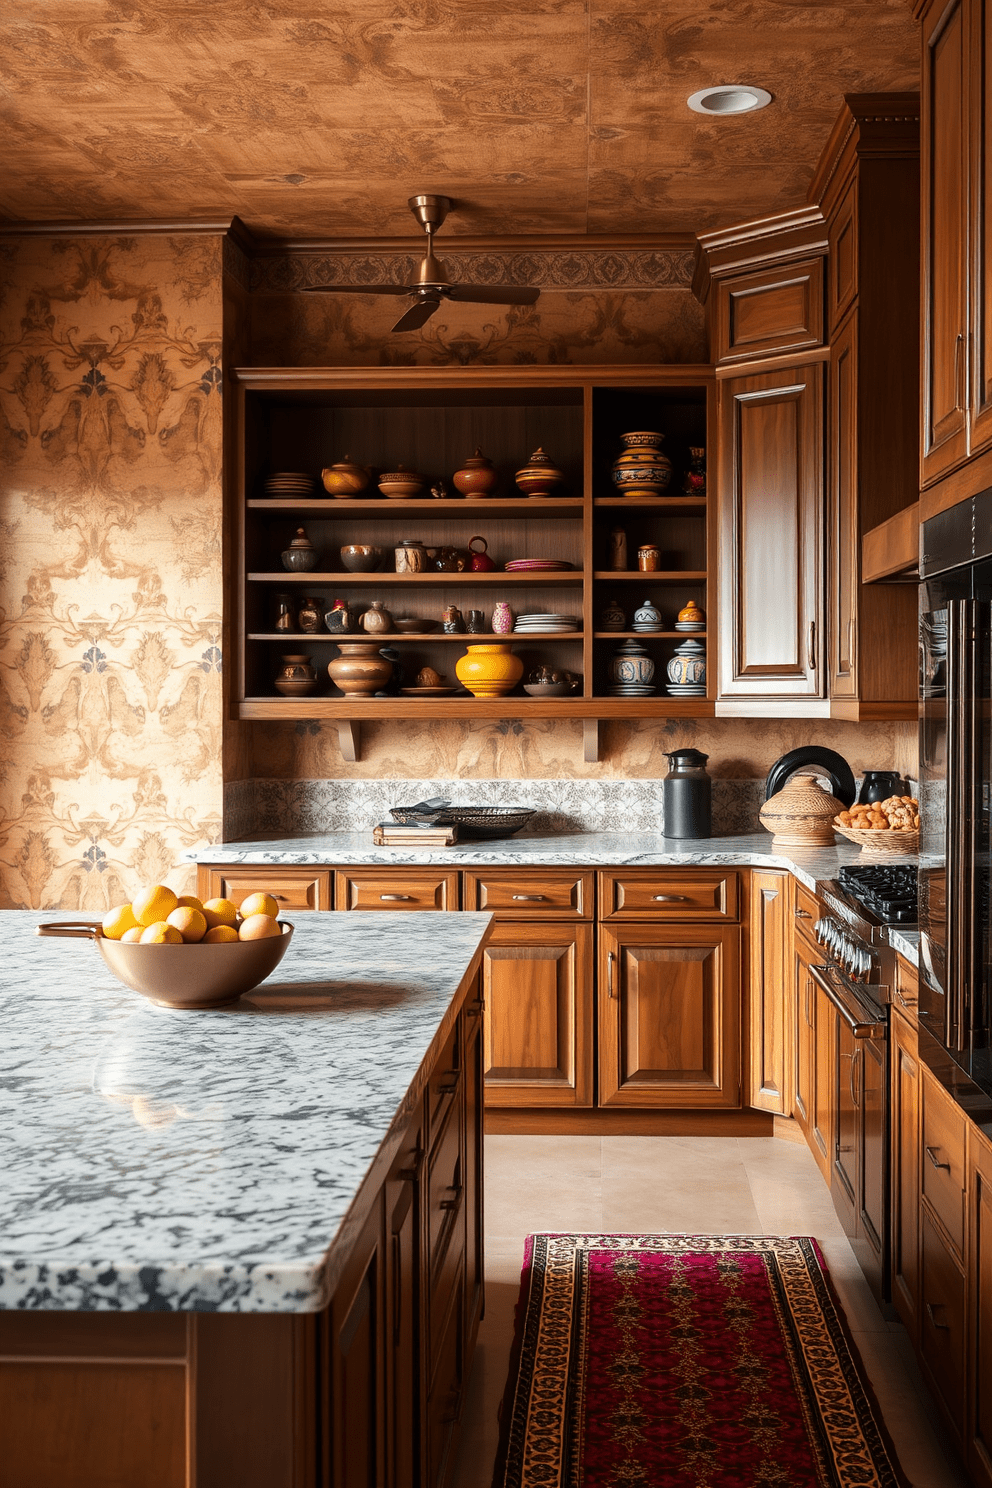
[
  {"x": 689, "y": 625},
  {"x": 686, "y": 689},
  {"x": 289, "y": 483},
  {"x": 632, "y": 689},
  {"x": 528, "y": 565},
  {"x": 538, "y": 624}
]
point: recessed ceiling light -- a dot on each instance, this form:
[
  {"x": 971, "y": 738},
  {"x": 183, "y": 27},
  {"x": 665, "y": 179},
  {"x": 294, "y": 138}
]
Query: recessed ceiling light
[{"x": 729, "y": 98}]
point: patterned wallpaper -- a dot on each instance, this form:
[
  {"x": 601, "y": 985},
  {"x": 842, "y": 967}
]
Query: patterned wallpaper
[{"x": 110, "y": 584}]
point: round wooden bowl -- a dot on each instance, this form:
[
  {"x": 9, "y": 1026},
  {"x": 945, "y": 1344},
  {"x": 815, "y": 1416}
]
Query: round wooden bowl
[
  {"x": 184, "y": 976},
  {"x": 883, "y": 844}
]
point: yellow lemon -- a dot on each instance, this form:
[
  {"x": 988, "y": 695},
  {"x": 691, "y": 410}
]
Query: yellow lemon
[
  {"x": 259, "y": 927},
  {"x": 133, "y": 935},
  {"x": 189, "y": 901},
  {"x": 117, "y": 921},
  {"x": 220, "y": 935},
  {"x": 220, "y": 912},
  {"x": 161, "y": 933},
  {"x": 191, "y": 924},
  {"x": 153, "y": 904},
  {"x": 259, "y": 904}
]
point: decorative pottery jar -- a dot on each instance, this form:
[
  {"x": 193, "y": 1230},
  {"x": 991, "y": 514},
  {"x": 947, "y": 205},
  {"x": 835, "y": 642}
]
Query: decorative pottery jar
[
  {"x": 489, "y": 671},
  {"x": 450, "y": 560},
  {"x": 631, "y": 666},
  {"x": 540, "y": 476},
  {"x": 310, "y": 616},
  {"x": 411, "y": 556},
  {"x": 646, "y": 617},
  {"x": 360, "y": 670},
  {"x": 613, "y": 617},
  {"x": 801, "y": 814},
  {"x": 285, "y": 616},
  {"x": 691, "y": 617},
  {"x": 403, "y": 483},
  {"x": 376, "y": 620},
  {"x": 642, "y": 469},
  {"x": 694, "y": 480},
  {"x": 649, "y": 558},
  {"x": 296, "y": 677},
  {"x": 480, "y": 562},
  {"x": 502, "y": 621},
  {"x": 477, "y": 476},
  {"x": 361, "y": 557},
  {"x": 301, "y": 555},
  {"x": 345, "y": 478},
  {"x": 339, "y": 617},
  {"x": 687, "y": 668},
  {"x": 452, "y": 621},
  {"x": 475, "y": 622},
  {"x": 618, "y": 549}
]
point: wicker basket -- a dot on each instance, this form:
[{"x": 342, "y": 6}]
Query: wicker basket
[{"x": 884, "y": 844}]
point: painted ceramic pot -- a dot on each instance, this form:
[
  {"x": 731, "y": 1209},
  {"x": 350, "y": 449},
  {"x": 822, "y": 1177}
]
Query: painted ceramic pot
[
  {"x": 646, "y": 617},
  {"x": 345, "y": 478},
  {"x": 613, "y": 617},
  {"x": 631, "y": 664},
  {"x": 360, "y": 670},
  {"x": 296, "y": 677},
  {"x": 402, "y": 483},
  {"x": 301, "y": 555},
  {"x": 801, "y": 814},
  {"x": 310, "y": 616},
  {"x": 477, "y": 476},
  {"x": 540, "y": 476},
  {"x": 502, "y": 621},
  {"x": 377, "y": 619},
  {"x": 642, "y": 469},
  {"x": 339, "y": 617},
  {"x": 691, "y": 614},
  {"x": 687, "y": 667},
  {"x": 489, "y": 671}
]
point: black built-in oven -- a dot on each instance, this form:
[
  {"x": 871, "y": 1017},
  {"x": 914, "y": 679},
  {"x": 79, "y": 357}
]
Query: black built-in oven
[{"x": 955, "y": 785}]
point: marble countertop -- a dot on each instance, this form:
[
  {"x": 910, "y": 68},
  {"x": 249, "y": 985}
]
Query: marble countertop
[
  {"x": 907, "y": 943},
  {"x": 207, "y": 1161},
  {"x": 579, "y": 849}
]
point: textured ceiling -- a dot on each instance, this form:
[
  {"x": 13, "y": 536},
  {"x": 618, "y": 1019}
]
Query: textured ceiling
[{"x": 318, "y": 120}]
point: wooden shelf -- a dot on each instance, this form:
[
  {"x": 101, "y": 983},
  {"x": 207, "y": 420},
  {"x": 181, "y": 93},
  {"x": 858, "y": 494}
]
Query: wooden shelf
[
  {"x": 658, "y": 575},
  {"x": 653, "y": 635},
  {"x": 392, "y": 637},
  {"x": 375, "y": 579},
  {"x": 363, "y": 709},
  {"x": 334, "y": 506},
  {"x": 675, "y": 504}
]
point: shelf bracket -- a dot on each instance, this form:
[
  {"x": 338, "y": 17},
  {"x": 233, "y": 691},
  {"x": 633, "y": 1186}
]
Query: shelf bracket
[
  {"x": 350, "y": 739},
  {"x": 590, "y": 740}
]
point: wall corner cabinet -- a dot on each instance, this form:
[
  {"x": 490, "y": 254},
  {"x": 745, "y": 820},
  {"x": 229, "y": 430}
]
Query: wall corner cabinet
[{"x": 432, "y": 420}]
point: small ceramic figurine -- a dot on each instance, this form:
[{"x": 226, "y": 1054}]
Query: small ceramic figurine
[
  {"x": 502, "y": 621},
  {"x": 452, "y": 621},
  {"x": 618, "y": 549},
  {"x": 694, "y": 480}
]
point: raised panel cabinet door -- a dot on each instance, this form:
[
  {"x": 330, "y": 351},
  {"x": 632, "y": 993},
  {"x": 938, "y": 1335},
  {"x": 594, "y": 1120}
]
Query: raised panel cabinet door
[
  {"x": 843, "y": 529},
  {"x": 771, "y": 527},
  {"x": 403, "y": 1306},
  {"x": 537, "y": 989},
  {"x": 771, "y": 992},
  {"x": 942, "y": 1324},
  {"x": 980, "y": 120},
  {"x": 802, "y": 1041},
  {"x": 775, "y": 310},
  {"x": 905, "y": 1067},
  {"x": 979, "y": 1311},
  {"x": 823, "y": 1113},
  {"x": 354, "y": 1365},
  {"x": 669, "y": 1016},
  {"x": 945, "y": 242}
]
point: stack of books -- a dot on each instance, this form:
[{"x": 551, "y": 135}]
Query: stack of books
[{"x": 395, "y": 834}]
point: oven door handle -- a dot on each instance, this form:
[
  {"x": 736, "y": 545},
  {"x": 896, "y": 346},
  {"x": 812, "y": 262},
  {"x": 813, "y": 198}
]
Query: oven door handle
[{"x": 862, "y": 1026}]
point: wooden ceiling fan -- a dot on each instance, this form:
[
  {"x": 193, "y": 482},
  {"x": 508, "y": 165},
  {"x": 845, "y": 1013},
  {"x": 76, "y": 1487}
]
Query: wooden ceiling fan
[{"x": 432, "y": 285}]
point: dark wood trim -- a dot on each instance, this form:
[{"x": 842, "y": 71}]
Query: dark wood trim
[
  {"x": 773, "y": 363},
  {"x": 856, "y": 122},
  {"x": 893, "y": 547},
  {"x": 232, "y": 226},
  {"x": 603, "y": 1121},
  {"x": 469, "y": 243},
  {"x": 960, "y": 485},
  {"x": 388, "y": 379},
  {"x": 762, "y": 243}
]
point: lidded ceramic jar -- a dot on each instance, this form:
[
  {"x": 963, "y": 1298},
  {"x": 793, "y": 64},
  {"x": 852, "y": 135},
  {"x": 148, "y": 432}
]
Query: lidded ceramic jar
[
  {"x": 411, "y": 556},
  {"x": 301, "y": 555},
  {"x": 376, "y": 620},
  {"x": 642, "y": 469},
  {"x": 540, "y": 476},
  {"x": 402, "y": 482},
  {"x": 296, "y": 677},
  {"x": 687, "y": 668},
  {"x": 646, "y": 617},
  {"x": 613, "y": 617},
  {"x": 686, "y": 795},
  {"x": 801, "y": 814},
  {"x": 631, "y": 666},
  {"x": 691, "y": 617},
  {"x": 477, "y": 477},
  {"x": 489, "y": 671},
  {"x": 345, "y": 478},
  {"x": 360, "y": 670}
]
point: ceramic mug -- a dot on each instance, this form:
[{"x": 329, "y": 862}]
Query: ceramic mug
[{"x": 649, "y": 558}]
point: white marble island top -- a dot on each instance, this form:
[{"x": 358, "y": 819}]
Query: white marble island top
[
  {"x": 578, "y": 849},
  {"x": 207, "y": 1161}
]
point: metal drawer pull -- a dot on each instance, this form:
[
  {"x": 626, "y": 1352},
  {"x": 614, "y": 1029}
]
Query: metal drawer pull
[
  {"x": 931, "y": 1153},
  {"x": 802, "y": 914},
  {"x": 449, "y": 1088},
  {"x": 930, "y": 1307},
  {"x": 536, "y": 897},
  {"x": 811, "y": 646},
  {"x": 395, "y": 896},
  {"x": 456, "y": 1189},
  {"x": 611, "y": 966},
  {"x": 670, "y": 898}
]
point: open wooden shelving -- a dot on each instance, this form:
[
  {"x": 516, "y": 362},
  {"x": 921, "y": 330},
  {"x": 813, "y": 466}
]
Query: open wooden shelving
[{"x": 304, "y": 419}]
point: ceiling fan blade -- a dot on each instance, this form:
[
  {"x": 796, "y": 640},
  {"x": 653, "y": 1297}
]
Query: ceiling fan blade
[
  {"x": 390, "y": 289},
  {"x": 417, "y": 315},
  {"x": 495, "y": 294}
]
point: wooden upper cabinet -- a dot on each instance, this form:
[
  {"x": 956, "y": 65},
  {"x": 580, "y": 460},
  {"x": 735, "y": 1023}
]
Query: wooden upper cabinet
[
  {"x": 944, "y": 179},
  {"x": 979, "y": 52},
  {"x": 771, "y": 494},
  {"x": 842, "y": 513},
  {"x": 776, "y": 310}
]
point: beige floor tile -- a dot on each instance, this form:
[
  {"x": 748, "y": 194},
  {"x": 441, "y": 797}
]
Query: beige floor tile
[
  {"x": 542, "y": 1187},
  {"x": 676, "y": 1185}
]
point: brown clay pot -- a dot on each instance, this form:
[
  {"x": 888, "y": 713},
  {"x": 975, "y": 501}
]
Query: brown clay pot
[
  {"x": 360, "y": 670},
  {"x": 477, "y": 476},
  {"x": 345, "y": 478},
  {"x": 540, "y": 476}
]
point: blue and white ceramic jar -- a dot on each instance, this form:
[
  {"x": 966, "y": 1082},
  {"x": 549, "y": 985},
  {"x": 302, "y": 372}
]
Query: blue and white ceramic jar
[
  {"x": 631, "y": 666},
  {"x": 687, "y": 667}
]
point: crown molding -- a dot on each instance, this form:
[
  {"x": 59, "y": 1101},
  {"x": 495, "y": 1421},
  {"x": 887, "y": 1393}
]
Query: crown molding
[{"x": 231, "y": 227}]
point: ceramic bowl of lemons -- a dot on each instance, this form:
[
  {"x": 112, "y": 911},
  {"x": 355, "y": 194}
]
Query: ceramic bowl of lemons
[{"x": 181, "y": 953}]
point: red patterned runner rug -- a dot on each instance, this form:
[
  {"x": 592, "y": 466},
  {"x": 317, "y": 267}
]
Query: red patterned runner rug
[{"x": 685, "y": 1361}]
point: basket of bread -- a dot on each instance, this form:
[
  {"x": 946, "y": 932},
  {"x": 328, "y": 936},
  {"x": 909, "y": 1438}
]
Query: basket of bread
[{"x": 882, "y": 829}]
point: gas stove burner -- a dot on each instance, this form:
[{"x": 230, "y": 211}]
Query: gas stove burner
[{"x": 889, "y": 892}]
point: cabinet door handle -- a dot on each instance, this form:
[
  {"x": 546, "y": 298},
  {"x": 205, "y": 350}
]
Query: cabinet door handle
[
  {"x": 449, "y": 1087},
  {"x": 397, "y": 1298},
  {"x": 809, "y": 1002},
  {"x": 931, "y": 1153},
  {"x": 670, "y": 898},
  {"x": 802, "y": 914},
  {"x": 536, "y": 897},
  {"x": 811, "y": 646},
  {"x": 856, "y": 1064},
  {"x": 958, "y": 361},
  {"x": 611, "y": 973},
  {"x": 930, "y": 1307},
  {"x": 851, "y": 642},
  {"x": 395, "y": 896},
  {"x": 456, "y": 1190}
]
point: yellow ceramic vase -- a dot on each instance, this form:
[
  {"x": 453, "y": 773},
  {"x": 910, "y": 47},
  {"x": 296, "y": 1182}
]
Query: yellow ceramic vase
[{"x": 489, "y": 671}]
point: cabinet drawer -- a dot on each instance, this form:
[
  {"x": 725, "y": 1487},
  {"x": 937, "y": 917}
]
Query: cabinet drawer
[
  {"x": 444, "y": 1082},
  {"x": 291, "y": 888},
  {"x": 774, "y": 310},
  {"x": 445, "y": 1206},
  {"x": 512, "y": 894},
  {"x": 806, "y": 910},
  {"x": 671, "y": 894},
  {"x": 944, "y": 1160},
  {"x": 942, "y": 1322},
  {"x": 907, "y": 988},
  {"x": 371, "y": 888}
]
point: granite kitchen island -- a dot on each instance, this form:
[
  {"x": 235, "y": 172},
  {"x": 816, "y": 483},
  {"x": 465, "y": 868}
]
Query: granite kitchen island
[{"x": 241, "y": 1245}]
